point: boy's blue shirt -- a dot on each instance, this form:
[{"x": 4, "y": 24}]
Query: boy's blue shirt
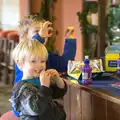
[
  {"x": 40, "y": 39},
  {"x": 54, "y": 61},
  {"x": 35, "y": 81}
]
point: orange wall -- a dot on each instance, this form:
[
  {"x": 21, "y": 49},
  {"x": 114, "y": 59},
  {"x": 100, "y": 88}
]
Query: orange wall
[
  {"x": 66, "y": 16},
  {"x": 35, "y": 5},
  {"x": 59, "y": 25},
  {"x": 24, "y": 8},
  {"x": 29, "y": 6}
]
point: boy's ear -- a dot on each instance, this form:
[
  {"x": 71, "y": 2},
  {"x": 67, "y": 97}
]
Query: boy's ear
[{"x": 20, "y": 65}]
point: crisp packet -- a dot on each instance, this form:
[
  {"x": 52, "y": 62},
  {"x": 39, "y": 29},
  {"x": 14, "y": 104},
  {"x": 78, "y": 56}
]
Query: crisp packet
[{"x": 74, "y": 67}]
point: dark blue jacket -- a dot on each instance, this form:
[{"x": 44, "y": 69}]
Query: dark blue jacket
[{"x": 54, "y": 61}]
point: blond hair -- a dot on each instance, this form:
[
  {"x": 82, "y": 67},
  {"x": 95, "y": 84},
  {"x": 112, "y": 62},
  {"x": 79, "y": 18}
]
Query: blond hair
[
  {"x": 29, "y": 49},
  {"x": 27, "y": 22}
]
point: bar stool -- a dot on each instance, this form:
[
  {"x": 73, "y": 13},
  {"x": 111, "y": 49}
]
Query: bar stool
[{"x": 9, "y": 116}]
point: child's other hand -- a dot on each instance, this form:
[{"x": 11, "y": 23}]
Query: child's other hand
[
  {"x": 53, "y": 74},
  {"x": 54, "y": 78},
  {"x": 46, "y": 30},
  {"x": 45, "y": 78}
]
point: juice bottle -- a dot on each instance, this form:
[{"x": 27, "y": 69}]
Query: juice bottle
[{"x": 86, "y": 72}]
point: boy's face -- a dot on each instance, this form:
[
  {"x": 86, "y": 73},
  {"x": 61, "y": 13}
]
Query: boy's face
[
  {"x": 32, "y": 31},
  {"x": 32, "y": 68},
  {"x": 34, "y": 28}
]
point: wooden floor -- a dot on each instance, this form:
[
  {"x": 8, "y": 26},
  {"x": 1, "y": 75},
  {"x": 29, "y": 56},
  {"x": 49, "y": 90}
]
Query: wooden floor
[{"x": 5, "y": 94}]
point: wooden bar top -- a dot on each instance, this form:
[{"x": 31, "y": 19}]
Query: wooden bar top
[
  {"x": 94, "y": 91},
  {"x": 86, "y": 102}
]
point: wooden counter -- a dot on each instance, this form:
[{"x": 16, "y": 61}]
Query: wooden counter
[{"x": 89, "y": 103}]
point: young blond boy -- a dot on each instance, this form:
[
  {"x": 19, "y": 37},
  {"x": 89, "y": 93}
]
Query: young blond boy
[
  {"x": 33, "y": 95},
  {"x": 31, "y": 27}
]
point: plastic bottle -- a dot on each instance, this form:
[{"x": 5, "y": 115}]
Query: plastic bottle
[
  {"x": 118, "y": 66},
  {"x": 86, "y": 72},
  {"x": 70, "y": 32},
  {"x": 111, "y": 56}
]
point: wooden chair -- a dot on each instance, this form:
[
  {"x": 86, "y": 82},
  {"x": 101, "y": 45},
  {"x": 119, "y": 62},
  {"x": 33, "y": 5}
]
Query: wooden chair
[
  {"x": 8, "y": 40},
  {"x": 3, "y": 54},
  {"x": 13, "y": 39}
]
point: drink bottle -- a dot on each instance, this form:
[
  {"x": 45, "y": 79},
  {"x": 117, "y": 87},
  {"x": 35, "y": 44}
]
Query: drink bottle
[
  {"x": 86, "y": 72},
  {"x": 118, "y": 66}
]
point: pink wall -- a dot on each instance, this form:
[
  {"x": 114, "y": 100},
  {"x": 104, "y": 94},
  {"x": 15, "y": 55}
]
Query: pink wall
[
  {"x": 24, "y": 8},
  {"x": 65, "y": 12}
]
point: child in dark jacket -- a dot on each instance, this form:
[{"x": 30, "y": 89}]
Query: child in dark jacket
[
  {"x": 33, "y": 95},
  {"x": 30, "y": 27}
]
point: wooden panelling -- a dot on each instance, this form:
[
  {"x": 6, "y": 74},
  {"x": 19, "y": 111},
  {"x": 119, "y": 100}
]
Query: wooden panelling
[
  {"x": 72, "y": 103},
  {"x": 87, "y": 103},
  {"x": 113, "y": 111},
  {"x": 86, "y": 106},
  {"x": 76, "y": 111},
  {"x": 99, "y": 108},
  {"x": 67, "y": 103}
]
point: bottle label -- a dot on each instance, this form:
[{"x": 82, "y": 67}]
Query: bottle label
[
  {"x": 118, "y": 67},
  {"x": 112, "y": 63},
  {"x": 85, "y": 76}
]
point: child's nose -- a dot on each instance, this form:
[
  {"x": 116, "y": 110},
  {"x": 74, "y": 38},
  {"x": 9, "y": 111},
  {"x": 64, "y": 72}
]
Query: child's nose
[{"x": 38, "y": 70}]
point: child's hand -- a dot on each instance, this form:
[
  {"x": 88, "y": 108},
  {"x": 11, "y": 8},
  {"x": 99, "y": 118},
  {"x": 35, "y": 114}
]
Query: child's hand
[
  {"x": 45, "y": 78},
  {"x": 54, "y": 77},
  {"x": 46, "y": 30},
  {"x": 53, "y": 74}
]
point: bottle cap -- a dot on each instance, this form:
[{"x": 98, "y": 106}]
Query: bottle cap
[
  {"x": 70, "y": 32},
  {"x": 86, "y": 57},
  {"x": 71, "y": 28},
  {"x": 86, "y": 60}
]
